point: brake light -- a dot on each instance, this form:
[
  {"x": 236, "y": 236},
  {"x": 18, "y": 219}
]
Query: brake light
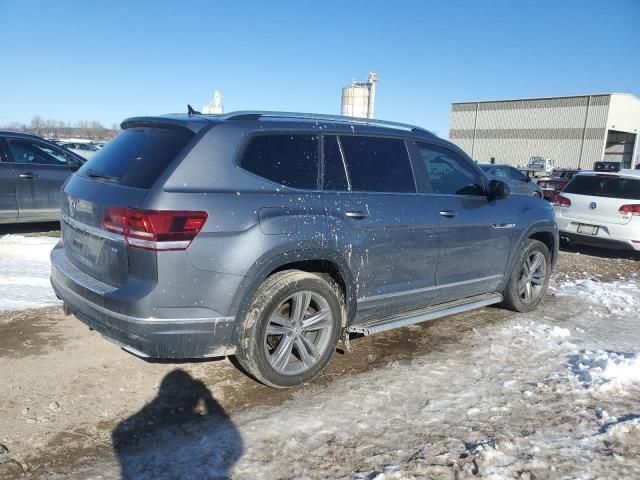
[
  {"x": 154, "y": 229},
  {"x": 560, "y": 201},
  {"x": 633, "y": 209}
]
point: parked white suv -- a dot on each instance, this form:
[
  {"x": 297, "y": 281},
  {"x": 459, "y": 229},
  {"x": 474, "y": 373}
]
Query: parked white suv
[{"x": 601, "y": 209}]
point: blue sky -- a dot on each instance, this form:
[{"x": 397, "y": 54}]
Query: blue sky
[{"x": 108, "y": 60}]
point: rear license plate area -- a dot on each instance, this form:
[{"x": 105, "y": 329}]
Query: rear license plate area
[{"x": 585, "y": 229}]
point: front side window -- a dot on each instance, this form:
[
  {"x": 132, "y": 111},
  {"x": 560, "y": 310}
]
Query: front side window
[
  {"x": 30, "y": 152},
  {"x": 444, "y": 172},
  {"x": 378, "y": 164},
  {"x": 290, "y": 160}
]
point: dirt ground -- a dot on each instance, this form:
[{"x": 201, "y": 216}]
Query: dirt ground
[{"x": 65, "y": 389}]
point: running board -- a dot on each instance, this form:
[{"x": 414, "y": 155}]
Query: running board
[{"x": 390, "y": 322}]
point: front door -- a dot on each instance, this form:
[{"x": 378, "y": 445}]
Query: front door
[
  {"x": 40, "y": 171},
  {"x": 8, "y": 201},
  {"x": 385, "y": 230},
  {"x": 475, "y": 232}
]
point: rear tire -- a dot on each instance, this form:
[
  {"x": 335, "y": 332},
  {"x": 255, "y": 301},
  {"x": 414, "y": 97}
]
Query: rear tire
[
  {"x": 529, "y": 278},
  {"x": 291, "y": 329}
]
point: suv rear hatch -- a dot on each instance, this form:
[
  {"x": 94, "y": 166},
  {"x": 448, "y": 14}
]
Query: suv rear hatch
[
  {"x": 599, "y": 197},
  {"x": 119, "y": 175}
]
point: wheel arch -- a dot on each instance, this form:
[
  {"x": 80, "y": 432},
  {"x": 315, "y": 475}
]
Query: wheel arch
[{"x": 315, "y": 260}]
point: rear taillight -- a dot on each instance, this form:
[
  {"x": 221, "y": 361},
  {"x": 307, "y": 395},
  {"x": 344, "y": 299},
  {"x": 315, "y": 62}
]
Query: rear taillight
[
  {"x": 560, "y": 201},
  {"x": 154, "y": 229},
  {"x": 561, "y": 185},
  {"x": 633, "y": 209}
]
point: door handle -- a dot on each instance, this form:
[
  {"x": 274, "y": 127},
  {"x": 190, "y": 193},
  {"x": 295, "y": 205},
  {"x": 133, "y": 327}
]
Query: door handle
[
  {"x": 28, "y": 175},
  {"x": 358, "y": 215},
  {"x": 448, "y": 213}
]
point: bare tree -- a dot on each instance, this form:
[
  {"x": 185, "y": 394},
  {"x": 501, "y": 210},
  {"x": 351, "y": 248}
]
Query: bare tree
[{"x": 37, "y": 125}]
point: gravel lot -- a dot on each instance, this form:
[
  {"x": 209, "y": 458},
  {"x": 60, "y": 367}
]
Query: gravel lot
[{"x": 65, "y": 389}]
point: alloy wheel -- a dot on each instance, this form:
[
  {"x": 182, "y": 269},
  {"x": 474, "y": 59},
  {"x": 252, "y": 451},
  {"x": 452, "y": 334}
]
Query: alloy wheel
[{"x": 298, "y": 332}]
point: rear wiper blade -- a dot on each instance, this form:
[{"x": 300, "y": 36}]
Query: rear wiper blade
[{"x": 102, "y": 176}]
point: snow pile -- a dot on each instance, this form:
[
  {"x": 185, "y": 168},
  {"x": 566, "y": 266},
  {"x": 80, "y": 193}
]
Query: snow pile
[
  {"x": 602, "y": 367},
  {"x": 619, "y": 297},
  {"x": 24, "y": 272}
]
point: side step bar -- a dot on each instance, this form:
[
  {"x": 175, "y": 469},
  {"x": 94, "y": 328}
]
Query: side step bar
[{"x": 390, "y": 322}]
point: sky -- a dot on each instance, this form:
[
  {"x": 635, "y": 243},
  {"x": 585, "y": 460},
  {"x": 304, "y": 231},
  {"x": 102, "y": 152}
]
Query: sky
[{"x": 105, "y": 61}]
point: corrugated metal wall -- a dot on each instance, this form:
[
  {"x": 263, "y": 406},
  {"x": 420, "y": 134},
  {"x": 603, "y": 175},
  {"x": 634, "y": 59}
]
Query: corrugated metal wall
[{"x": 564, "y": 129}]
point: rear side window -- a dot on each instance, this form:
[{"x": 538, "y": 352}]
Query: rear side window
[
  {"x": 604, "y": 186},
  {"x": 378, "y": 164},
  {"x": 290, "y": 160},
  {"x": 335, "y": 177},
  {"x": 138, "y": 156}
]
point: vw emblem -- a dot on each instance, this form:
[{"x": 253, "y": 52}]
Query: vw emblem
[
  {"x": 593, "y": 205},
  {"x": 72, "y": 205}
]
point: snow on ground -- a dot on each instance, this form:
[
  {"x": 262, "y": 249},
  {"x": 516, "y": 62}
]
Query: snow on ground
[
  {"x": 24, "y": 272},
  {"x": 550, "y": 394}
]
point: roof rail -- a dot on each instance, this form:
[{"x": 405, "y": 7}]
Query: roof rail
[{"x": 249, "y": 115}]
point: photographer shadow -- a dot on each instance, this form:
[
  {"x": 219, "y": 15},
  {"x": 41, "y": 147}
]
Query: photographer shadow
[{"x": 182, "y": 433}]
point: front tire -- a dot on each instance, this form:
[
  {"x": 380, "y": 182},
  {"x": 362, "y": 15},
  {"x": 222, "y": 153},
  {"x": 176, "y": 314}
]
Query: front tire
[
  {"x": 529, "y": 278},
  {"x": 291, "y": 329}
]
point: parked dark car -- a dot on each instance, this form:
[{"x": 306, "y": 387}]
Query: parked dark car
[
  {"x": 32, "y": 171},
  {"x": 553, "y": 185},
  {"x": 273, "y": 235},
  {"x": 520, "y": 183}
]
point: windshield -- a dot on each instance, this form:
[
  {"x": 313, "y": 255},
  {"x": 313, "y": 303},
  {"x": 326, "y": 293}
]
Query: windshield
[{"x": 605, "y": 186}]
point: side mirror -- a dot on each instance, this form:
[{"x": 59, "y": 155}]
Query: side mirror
[{"x": 498, "y": 190}]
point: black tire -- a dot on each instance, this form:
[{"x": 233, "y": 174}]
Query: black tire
[
  {"x": 514, "y": 298},
  {"x": 252, "y": 352}
]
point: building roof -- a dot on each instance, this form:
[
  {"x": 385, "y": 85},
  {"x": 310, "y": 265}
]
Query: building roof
[{"x": 547, "y": 98}]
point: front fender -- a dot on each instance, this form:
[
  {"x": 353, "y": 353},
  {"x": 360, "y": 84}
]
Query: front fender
[{"x": 530, "y": 223}]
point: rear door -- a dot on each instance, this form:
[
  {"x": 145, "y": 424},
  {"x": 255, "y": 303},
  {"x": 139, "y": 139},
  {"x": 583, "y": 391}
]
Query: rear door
[
  {"x": 8, "y": 201},
  {"x": 475, "y": 232},
  {"x": 386, "y": 230},
  {"x": 40, "y": 171}
]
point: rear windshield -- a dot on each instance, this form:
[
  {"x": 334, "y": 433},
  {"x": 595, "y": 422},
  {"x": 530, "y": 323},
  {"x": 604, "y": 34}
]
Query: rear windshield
[
  {"x": 604, "y": 186},
  {"x": 137, "y": 156}
]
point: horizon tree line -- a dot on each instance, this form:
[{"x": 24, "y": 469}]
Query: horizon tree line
[{"x": 51, "y": 128}]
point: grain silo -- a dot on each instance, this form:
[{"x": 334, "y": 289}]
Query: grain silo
[
  {"x": 358, "y": 99},
  {"x": 215, "y": 106}
]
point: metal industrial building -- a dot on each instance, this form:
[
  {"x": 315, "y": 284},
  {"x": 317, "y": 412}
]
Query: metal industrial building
[{"x": 573, "y": 131}]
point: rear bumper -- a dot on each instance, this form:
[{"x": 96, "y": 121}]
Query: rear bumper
[
  {"x": 610, "y": 235},
  {"x": 594, "y": 241},
  {"x": 145, "y": 337}
]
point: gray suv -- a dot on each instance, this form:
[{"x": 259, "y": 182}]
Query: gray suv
[{"x": 273, "y": 236}]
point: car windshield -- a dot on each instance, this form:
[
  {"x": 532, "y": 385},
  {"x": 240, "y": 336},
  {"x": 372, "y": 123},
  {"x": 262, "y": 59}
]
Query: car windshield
[{"x": 605, "y": 186}]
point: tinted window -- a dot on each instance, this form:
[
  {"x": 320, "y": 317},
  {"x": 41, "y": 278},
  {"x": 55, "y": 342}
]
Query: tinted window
[
  {"x": 604, "y": 186},
  {"x": 517, "y": 174},
  {"x": 137, "y": 156},
  {"x": 500, "y": 172},
  {"x": 377, "y": 164},
  {"x": 335, "y": 177},
  {"x": 445, "y": 172},
  {"x": 28, "y": 151},
  {"x": 290, "y": 160}
]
